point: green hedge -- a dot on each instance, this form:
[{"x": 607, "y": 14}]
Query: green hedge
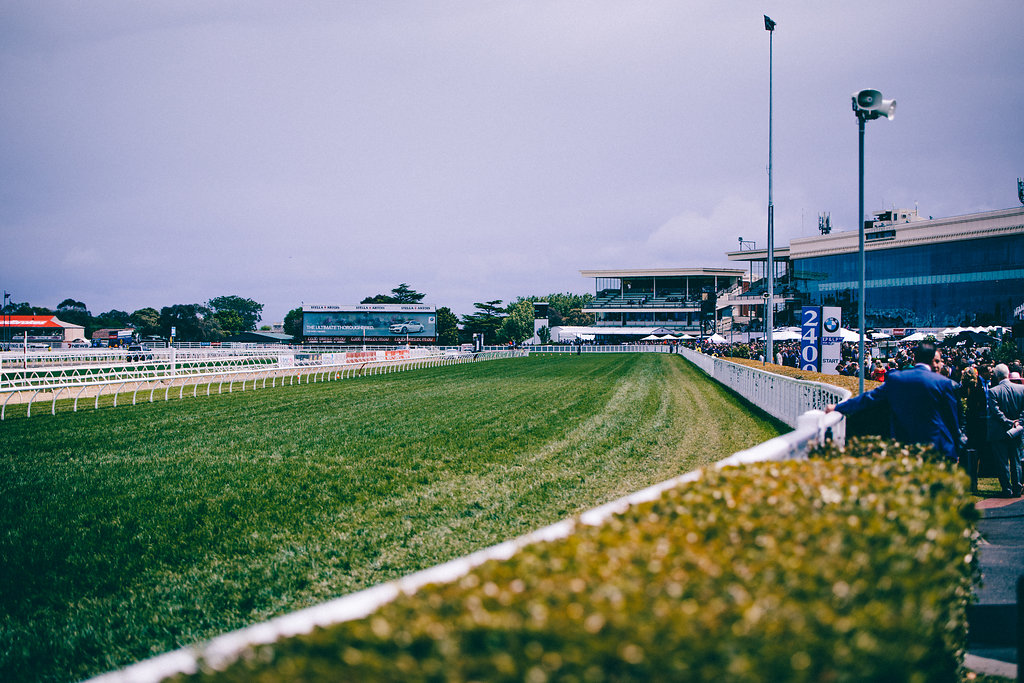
[{"x": 834, "y": 569}]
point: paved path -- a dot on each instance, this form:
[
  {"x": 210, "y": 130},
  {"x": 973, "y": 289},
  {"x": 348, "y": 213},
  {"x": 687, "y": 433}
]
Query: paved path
[{"x": 993, "y": 620}]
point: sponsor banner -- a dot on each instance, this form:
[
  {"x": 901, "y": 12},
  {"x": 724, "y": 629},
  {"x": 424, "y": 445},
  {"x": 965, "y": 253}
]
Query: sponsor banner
[
  {"x": 369, "y": 340},
  {"x": 831, "y": 340},
  {"x": 372, "y": 325},
  {"x": 286, "y": 361},
  {"x": 395, "y": 355},
  {"x": 386, "y": 308},
  {"x": 810, "y": 338}
]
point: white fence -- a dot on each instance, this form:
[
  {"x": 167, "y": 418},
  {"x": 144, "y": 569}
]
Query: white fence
[
  {"x": 781, "y": 397},
  {"x": 813, "y": 427},
  {"x": 167, "y": 373},
  {"x": 601, "y": 348}
]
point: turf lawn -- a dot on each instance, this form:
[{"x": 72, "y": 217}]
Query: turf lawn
[{"x": 135, "y": 530}]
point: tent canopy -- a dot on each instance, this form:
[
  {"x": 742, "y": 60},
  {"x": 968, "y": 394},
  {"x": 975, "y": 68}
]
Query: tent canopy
[
  {"x": 849, "y": 335},
  {"x": 970, "y": 338}
]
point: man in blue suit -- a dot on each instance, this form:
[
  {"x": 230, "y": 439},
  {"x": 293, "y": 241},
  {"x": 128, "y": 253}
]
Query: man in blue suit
[{"x": 921, "y": 403}]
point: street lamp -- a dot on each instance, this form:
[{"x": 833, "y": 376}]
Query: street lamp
[
  {"x": 769, "y": 321},
  {"x": 867, "y": 105}
]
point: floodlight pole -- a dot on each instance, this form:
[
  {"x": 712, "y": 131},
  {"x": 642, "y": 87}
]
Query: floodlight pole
[
  {"x": 867, "y": 104},
  {"x": 769, "y": 318},
  {"x": 861, "y": 118}
]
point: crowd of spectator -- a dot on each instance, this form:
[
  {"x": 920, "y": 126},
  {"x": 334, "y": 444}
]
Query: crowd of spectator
[
  {"x": 894, "y": 356},
  {"x": 977, "y": 421}
]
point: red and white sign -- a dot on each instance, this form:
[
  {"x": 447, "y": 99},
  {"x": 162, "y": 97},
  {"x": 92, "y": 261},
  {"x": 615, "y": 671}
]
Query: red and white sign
[{"x": 31, "y": 321}]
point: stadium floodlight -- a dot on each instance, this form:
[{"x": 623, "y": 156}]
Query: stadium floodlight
[{"x": 867, "y": 105}]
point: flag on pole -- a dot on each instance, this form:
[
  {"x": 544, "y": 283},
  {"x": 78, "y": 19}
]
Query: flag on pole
[{"x": 769, "y": 25}]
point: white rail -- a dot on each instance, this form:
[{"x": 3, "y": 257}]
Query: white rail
[
  {"x": 600, "y": 348},
  {"x": 172, "y": 372},
  {"x": 781, "y": 397}
]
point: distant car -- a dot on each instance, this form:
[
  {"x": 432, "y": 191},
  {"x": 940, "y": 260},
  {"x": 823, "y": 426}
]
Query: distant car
[
  {"x": 79, "y": 344},
  {"x": 407, "y": 327},
  {"x": 138, "y": 353}
]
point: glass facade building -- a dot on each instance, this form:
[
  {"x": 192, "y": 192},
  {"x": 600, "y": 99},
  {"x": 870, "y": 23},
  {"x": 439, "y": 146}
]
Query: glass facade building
[
  {"x": 971, "y": 282},
  {"x": 919, "y": 273}
]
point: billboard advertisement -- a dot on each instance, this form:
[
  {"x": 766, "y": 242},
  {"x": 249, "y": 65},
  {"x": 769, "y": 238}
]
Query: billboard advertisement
[{"x": 387, "y": 323}]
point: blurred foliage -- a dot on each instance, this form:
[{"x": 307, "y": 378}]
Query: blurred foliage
[{"x": 832, "y": 569}]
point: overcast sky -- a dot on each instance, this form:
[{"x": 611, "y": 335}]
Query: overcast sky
[{"x": 156, "y": 153}]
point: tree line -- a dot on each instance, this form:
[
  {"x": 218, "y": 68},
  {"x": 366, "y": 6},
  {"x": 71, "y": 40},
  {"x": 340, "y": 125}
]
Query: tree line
[
  {"x": 223, "y": 316},
  {"x": 218, "y": 318}
]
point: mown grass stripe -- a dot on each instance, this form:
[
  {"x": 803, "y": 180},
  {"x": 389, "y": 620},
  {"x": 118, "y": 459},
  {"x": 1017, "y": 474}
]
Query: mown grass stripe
[{"x": 134, "y": 531}]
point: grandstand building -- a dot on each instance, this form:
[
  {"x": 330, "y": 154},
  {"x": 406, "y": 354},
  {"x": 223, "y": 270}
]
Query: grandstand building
[
  {"x": 631, "y": 304},
  {"x": 920, "y": 272}
]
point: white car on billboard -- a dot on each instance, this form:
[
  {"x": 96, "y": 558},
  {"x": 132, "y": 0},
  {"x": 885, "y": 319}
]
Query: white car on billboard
[{"x": 406, "y": 327}]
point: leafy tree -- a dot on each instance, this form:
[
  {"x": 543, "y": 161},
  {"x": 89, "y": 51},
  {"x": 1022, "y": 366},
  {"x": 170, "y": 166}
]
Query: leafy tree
[
  {"x": 112, "y": 318},
  {"x": 518, "y": 324},
  {"x": 24, "y": 308},
  {"x": 71, "y": 304},
  {"x": 486, "y": 320},
  {"x": 565, "y": 309},
  {"x": 402, "y": 294},
  {"x": 293, "y": 323},
  {"x": 230, "y": 321},
  {"x": 248, "y": 312},
  {"x": 193, "y": 322},
  {"x": 75, "y": 312},
  {"x": 544, "y": 334},
  {"x": 146, "y": 321},
  {"x": 1006, "y": 352},
  {"x": 447, "y": 327},
  {"x": 576, "y": 317}
]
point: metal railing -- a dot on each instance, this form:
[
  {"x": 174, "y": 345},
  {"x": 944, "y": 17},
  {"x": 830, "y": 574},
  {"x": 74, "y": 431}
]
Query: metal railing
[{"x": 170, "y": 372}]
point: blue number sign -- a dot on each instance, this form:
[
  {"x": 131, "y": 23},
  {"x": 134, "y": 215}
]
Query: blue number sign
[{"x": 810, "y": 339}]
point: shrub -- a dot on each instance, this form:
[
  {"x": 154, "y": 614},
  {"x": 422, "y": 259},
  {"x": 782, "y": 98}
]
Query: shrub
[
  {"x": 739, "y": 351},
  {"x": 834, "y": 569}
]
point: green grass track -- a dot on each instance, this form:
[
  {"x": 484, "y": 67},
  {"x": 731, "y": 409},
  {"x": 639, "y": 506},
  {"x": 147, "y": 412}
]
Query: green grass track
[{"x": 135, "y": 530}]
